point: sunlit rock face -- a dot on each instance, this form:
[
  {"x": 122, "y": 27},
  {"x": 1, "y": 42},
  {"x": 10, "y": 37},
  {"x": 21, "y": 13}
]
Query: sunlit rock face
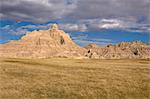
[
  {"x": 56, "y": 43},
  {"x": 123, "y": 50},
  {"x": 42, "y": 44}
]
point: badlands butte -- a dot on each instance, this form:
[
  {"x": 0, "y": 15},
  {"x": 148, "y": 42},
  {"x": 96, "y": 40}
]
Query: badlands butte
[{"x": 56, "y": 43}]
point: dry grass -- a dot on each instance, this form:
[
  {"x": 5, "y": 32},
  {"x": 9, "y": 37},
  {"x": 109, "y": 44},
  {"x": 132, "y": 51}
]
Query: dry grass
[{"x": 74, "y": 79}]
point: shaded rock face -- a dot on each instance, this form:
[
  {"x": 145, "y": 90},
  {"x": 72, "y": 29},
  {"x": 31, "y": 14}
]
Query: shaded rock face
[
  {"x": 130, "y": 50},
  {"x": 42, "y": 44}
]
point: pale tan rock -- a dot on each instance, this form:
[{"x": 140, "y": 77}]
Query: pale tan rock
[
  {"x": 56, "y": 43},
  {"x": 129, "y": 50},
  {"x": 42, "y": 44}
]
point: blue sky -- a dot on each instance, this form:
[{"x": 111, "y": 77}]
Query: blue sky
[{"x": 86, "y": 21}]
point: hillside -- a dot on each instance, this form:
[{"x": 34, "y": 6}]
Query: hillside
[{"x": 42, "y": 44}]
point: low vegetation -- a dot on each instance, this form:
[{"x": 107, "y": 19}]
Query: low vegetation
[{"x": 60, "y": 78}]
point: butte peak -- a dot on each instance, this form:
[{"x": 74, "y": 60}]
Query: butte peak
[{"x": 54, "y": 27}]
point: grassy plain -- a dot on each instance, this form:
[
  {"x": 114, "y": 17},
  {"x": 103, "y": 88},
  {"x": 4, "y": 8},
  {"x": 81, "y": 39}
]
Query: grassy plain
[{"x": 62, "y": 78}]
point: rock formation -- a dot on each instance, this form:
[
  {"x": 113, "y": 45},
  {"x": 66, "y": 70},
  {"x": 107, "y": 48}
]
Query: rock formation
[
  {"x": 56, "y": 43},
  {"x": 42, "y": 44},
  {"x": 130, "y": 50}
]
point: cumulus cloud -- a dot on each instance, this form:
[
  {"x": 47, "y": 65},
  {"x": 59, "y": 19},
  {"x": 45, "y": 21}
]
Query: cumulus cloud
[
  {"x": 91, "y": 25},
  {"x": 69, "y": 27},
  {"x": 80, "y": 15},
  {"x": 13, "y": 30},
  {"x": 105, "y": 23},
  {"x": 44, "y": 10},
  {"x": 89, "y": 9},
  {"x": 129, "y": 24},
  {"x": 35, "y": 10}
]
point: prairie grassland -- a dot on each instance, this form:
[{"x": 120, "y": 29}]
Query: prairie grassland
[{"x": 60, "y": 78}]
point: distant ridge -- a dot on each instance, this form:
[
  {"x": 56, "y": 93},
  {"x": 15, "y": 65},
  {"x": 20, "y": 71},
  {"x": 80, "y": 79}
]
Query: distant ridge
[
  {"x": 123, "y": 50},
  {"x": 56, "y": 43}
]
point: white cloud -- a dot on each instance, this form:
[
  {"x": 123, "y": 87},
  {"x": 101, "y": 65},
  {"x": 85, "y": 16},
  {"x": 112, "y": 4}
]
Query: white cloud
[
  {"x": 111, "y": 23},
  {"x": 73, "y": 27},
  {"x": 13, "y": 30},
  {"x": 89, "y": 25},
  {"x": 67, "y": 27}
]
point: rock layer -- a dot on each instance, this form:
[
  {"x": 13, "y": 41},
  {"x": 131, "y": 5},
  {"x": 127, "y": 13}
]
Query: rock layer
[{"x": 124, "y": 50}]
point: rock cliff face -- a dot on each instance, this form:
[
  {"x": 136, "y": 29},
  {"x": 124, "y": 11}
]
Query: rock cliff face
[
  {"x": 42, "y": 44},
  {"x": 130, "y": 50}
]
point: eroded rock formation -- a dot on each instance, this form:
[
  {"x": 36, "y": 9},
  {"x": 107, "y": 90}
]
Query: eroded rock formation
[
  {"x": 130, "y": 50},
  {"x": 56, "y": 43},
  {"x": 42, "y": 44}
]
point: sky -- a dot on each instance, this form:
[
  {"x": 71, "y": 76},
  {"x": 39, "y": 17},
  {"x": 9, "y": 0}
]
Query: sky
[{"x": 87, "y": 21}]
